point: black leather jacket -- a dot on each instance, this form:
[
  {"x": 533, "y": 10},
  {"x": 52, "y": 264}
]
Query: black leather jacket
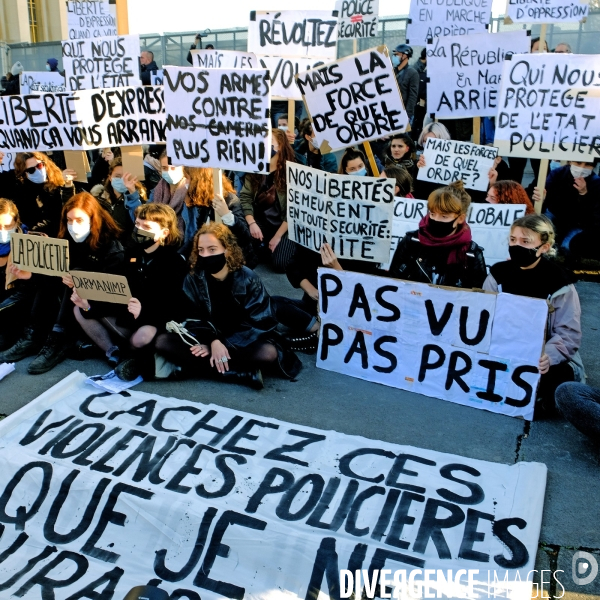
[{"x": 416, "y": 262}]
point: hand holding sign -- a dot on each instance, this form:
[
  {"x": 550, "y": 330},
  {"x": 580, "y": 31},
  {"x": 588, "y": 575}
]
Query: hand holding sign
[
  {"x": 134, "y": 306},
  {"x": 79, "y": 302},
  {"x": 18, "y": 273},
  {"x": 329, "y": 259},
  {"x": 129, "y": 181},
  {"x": 220, "y": 206}
]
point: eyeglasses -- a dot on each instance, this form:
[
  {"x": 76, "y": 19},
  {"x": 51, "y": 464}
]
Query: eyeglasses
[{"x": 31, "y": 170}]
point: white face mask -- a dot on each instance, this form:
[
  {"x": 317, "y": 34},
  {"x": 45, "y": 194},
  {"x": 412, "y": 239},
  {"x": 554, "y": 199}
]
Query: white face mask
[
  {"x": 5, "y": 235},
  {"x": 580, "y": 171},
  {"x": 283, "y": 128},
  {"x": 79, "y": 231},
  {"x": 48, "y": 68},
  {"x": 173, "y": 176},
  {"x": 38, "y": 176}
]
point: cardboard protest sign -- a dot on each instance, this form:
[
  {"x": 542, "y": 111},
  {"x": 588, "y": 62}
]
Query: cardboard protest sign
[
  {"x": 78, "y": 161},
  {"x": 449, "y": 160},
  {"x": 224, "y": 59},
  {"x": 156, "y": 77},
  {"x": 293, "y": 33},
  {"x": 439, "y": 18},
  {"x": 218, "y": 118},
  {"x": 82, "y": 120},
  {"x": 464, "y": 72},
  {"x": 353, "y": 100},
  {"x": 440, "y": 342},
  {"x": 549, "y": 11},
  {"x": 489, "y": 223},
  {"x": 352, "y": 214},
  {"x": 102, "y": 287},
  {"x": 40, "y": 254},
  {"x": 283, "y": 73},
  {"x": 119, "y": 489},
  {"x": 91, "y": 19},
  {"x": 108, "y": 62},
  {"x": 357, "y": 18},
  {"x": 549, "y": 107},
  {"x": 41, "y": 81}
]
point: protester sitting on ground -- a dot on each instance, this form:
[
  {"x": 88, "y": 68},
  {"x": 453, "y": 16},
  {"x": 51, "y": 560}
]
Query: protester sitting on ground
[
  {"x": 572, "y": 203},
  {"x": 155, "y": 271},
  {"x": 15, "y": 301},
  {"x": 404, "y": 181},
  {"x": 235, "y": 324},
  {"x": 354, "y": 162},
  {"x": 400, "y": 153},
  {"x": 509, "y": 192},
  {"x": 147, "y": 65},
  {"x": 442, "y": 250},
  {"x": 39, "y": 189},
  {"x": 121, "y": 190},
  {"x": 52, "y": 65},
  {"x": 152, "y": 166},
  {"x": 202, "y": 205},
  {"x": 311, "y": 154},
  {"x": 580, "y": 405},
  {"x": 529, "y": 272},
  {"x": 102, "y": 165},
  {"x": 93, "y": 246},
  {"x": 563, "y": 48},
  {"x": 264, "y": 200}
]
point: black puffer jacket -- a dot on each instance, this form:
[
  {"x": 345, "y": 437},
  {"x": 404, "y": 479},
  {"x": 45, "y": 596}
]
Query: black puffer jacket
[
  {"x": 146, "y": 72},
  {"x": 416, "y": 262}
]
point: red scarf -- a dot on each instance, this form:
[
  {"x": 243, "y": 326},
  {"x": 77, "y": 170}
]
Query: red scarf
[{"x": 457, "y": 243}]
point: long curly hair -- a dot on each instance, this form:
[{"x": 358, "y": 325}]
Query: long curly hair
[
  {"x": 511, "y": 192},
  {"x": 284, "y": 154},
  {"x": 103, "y": 228},
  {"x": 108, "y": 188},
  {"x": 202, "y": 188},
  {"x": 54, "y": 175},
  {"x": 234, "y": 255},
  {"x": 165, "y": 216}
]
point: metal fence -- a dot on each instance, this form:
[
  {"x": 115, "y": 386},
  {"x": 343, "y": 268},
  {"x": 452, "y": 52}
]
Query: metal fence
[{"x": 172, "y": 48}]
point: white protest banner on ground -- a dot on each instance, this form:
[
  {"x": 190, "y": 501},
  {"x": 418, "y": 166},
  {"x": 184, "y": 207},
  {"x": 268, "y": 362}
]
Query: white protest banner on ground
[
  {"x": 121, "y": 489},
  {"x": 283, "y": 73},
  {"x": 353, "y": 100},
  {"x": 91, "y": 19},
  {"x": 218, "y": 118},
  {"x": 549, "y": 107},
  {"x": 41, "y": 81},
  {"x": 439, "y": 18},
  {"x": 293, "y": 33},
  {"x": 156, "y": 77},
  {"x": 357, "y": 18},
  {"x": 429, "y": 340},
  {"x": 489, "y": 223},
  {"x": 464, "y": 72},
  {"x": 548, "y": 11},
  {"x": 40, "y": 254},
  {"x": 352, "y": 214},
  {"x": 102, "y": 63},
  {"x": 82, "y": 120},
  {"x": 224, "y": 59},
  {"x": 449, "y": 160}
]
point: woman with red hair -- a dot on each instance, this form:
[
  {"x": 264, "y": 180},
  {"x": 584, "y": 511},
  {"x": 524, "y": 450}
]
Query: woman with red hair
[
  {"x": 93, "y": 246},
  {"x": 509, "y": 192}
]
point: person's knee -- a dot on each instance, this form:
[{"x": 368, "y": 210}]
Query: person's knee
[{"x": 142, "y": 337}]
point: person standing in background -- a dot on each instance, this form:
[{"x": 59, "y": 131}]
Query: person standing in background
[
  {"x": 147, "y": 65},
  {"x": 420, "y": 66},
  {"x": 407, "y": 78}
]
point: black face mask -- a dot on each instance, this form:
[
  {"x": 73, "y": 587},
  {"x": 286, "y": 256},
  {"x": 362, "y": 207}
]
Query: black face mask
[
  {"x": 211, "y": 264},
  {"x": 440, "y": 229},
  {"x": 145, "y": 239},
  {"x": 523, "y": 257}
]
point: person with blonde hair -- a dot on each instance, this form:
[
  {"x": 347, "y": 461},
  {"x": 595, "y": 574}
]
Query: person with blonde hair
[
  {"x": 229, "y": 312},
  {"x": 529, "y": 272},
  {"x": 442, "y": 250},
  {"x": 155, "y": 271}
]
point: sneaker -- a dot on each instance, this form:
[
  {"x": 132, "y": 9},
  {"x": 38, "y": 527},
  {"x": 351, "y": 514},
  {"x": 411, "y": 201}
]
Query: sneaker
[
  {"x": 54, "y": 352},
  {"x": 115, "y": 358},
  {"x": 129, "y": 369},
  {"x": 26, "y": 346},
  {"x": 306, "y": 343}
]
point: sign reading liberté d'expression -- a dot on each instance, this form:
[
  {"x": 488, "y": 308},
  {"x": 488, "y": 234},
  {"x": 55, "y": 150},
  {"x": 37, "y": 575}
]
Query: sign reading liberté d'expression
[
  {"x": 549, "y": 107},
  {"x": 218, "y": 118},
  {"x": 353, "y": 100},
  {"x": 91, "y": 19},
  {"x": 464, "y": 72}
]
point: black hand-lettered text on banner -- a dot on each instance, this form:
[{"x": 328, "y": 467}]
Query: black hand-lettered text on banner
[
  {"x": 472, "y": 348},
  {"x": 353, "y": 100},
  {"x": 224, "y": 59},
  {"x": 218, "y": 118},
  {"x": 352, "y": 214},
  {"x": 283, "y": 71},
  {"x": 104, "y": 492},
  {"x": 357, "y": 18},
  {"x": 464, "y": 72},
  {"x": 82, "y": 120},
  {"x": 440, "y": 18},
  {"x": 549, "y": 107},
  {"x": 293, "y": 33},
  {"x": 549, "y": 11},
  {"x": 91, "y": 19},
  {"x": 106, "y": 62},
  {"x": 41, "y": 81}
]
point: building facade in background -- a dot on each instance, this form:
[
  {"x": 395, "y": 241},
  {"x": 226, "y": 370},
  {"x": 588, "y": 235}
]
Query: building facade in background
[{"x": 32, "y": 21}]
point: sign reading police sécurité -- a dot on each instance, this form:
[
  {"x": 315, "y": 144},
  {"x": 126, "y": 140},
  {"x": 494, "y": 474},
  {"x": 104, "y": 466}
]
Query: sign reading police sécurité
[{"x": 38, "y": 254}]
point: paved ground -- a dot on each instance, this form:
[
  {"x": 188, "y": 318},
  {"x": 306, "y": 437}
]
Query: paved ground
[{"x": 330, "y": 401}]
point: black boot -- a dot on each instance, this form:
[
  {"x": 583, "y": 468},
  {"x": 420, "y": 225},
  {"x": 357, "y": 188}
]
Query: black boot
[
  {"x": 27, "y": 345},
  {"x": 253, "y": 379},
  {"x": 54, "y": 351}
]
